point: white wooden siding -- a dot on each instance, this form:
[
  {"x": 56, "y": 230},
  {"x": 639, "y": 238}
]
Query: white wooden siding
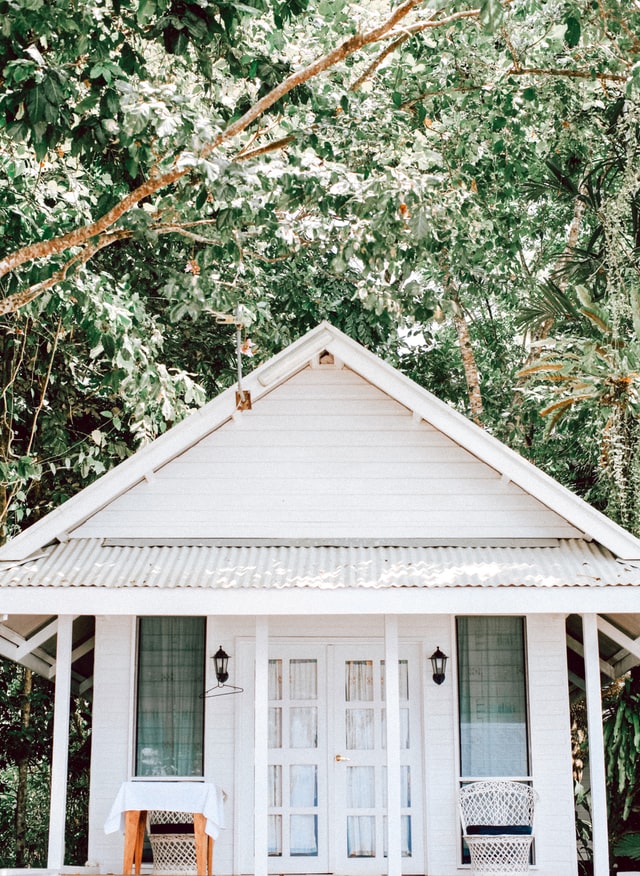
[
  {"x": 551, "y": 745},
  {"x": 114, "y": 678},
  {"x": 326, "y": 455},
  {"x": 224, "y": 732}
]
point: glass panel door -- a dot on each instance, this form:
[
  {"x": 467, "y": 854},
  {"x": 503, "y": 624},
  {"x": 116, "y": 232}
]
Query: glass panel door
[
  {"x": 327, "y": 794},
  {"x": 297, "y": 761},
  {"x": 360, "y": 774}
]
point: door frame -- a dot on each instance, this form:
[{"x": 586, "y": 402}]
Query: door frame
[{"x": 245, "y": 750}]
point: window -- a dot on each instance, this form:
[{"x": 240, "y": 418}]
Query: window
[
  {"x": 492, "y": 697},
  {"x": 170, "y": 711}
]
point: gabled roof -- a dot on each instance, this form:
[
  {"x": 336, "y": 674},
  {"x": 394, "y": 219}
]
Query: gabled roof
[{"x": 57, "y": 525}]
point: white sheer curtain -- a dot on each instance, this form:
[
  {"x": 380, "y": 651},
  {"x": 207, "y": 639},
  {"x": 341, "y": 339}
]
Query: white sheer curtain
[
  {"x": 360, "y": 736},
  {"x": 493, "y": 700},
  {"x": 293, "y": 725},
  {"x": 358, "y": 681},
  {"x": 361, "y": 836},
  {"x": 170, "y": 714}
]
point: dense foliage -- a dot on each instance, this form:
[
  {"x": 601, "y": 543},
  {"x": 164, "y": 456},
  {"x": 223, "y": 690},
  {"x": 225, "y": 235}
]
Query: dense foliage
[
  {"x": 26, "y": 716},
  {"x": 437, "y": 180},
  {"x": 621, "y": 710},
  {"x": 456, "y": 186}
]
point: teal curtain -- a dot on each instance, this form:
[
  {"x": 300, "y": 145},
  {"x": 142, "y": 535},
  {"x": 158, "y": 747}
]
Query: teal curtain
[
  {"x": 492, "y": 697},
  {"x": 170, "y": 713}
]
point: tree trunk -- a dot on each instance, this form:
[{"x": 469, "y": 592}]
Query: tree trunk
[
  {"x": 23, "y": 774},
  {"x": 469, "y": 364}
]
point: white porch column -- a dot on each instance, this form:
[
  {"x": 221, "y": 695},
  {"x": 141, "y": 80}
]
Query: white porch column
[
  {"x": 60, "y": 755},
  {"x": 261, "y": 754},
  {"x": 596, "y": 745},
  {"x": 392, "y": 704}
]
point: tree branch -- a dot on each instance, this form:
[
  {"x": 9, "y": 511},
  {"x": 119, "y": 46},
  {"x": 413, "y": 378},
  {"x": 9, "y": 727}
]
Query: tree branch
[
  {"x": 262, "y": 150},
  {"x": 18, "y": 299},
  {"x": 159, "y": 181},
  {"x": 406, "y": 34},
  {"x": 571, "y": 74}
]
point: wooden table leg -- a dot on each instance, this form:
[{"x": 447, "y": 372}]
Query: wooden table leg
[
  {"x": 199, "y": 822},
  {"x": 142, "y": 821},
  {"x": 131, "y": 818},
  {"x": 134, "y": 822},
  {"x": 210, "y": 855}
]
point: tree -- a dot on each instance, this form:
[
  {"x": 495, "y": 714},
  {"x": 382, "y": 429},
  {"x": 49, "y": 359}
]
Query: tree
[
  {"x": 384, "y": 166},
  {"x": 25, "y": 716},
  {"x": 621, "y": 720},
  {"x": 591, "y": 355}
]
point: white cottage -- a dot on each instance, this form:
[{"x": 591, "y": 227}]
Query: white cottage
[{"x": 346, "y": 523}]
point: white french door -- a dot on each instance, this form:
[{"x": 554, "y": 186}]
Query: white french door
[
  {"x": 327, "y": 781},
  {"x": 360, "y": 762},
  {"x": 297, "y": 774}
]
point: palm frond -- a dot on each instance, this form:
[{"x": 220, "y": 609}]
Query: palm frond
[
  {"x": 597, "y": 317},
  {"x": 548, "y": 303}
]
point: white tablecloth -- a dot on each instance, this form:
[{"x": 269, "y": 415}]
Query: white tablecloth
[{"x": 201, "y": 797}]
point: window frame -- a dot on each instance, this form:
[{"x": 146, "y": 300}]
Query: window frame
[{"x": 136, "y": 775}]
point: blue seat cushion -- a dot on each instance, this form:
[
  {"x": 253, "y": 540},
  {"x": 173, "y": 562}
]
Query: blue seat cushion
[
  {"x": 499, "y": 829},
  {"x": 171, "y": 828}
]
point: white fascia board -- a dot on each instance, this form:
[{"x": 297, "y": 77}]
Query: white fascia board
[
  {"x": 288, "y": 602},
  {"x": 63, "y": 520},
  {"x": 488, "y": 449}
]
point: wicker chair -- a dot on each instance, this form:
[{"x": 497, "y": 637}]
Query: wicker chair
[
  {"x": 172, "y": 839},
  {"x": 497, "y": 826}
]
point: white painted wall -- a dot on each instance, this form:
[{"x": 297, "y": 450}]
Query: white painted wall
[
  {"x": 549, "y": 715},
  {"x": 111, "y": 733},
  {"x": 440, "y": 746},
  {"x": 551, "y": 745},
  {"x": 326, "y": 455}
]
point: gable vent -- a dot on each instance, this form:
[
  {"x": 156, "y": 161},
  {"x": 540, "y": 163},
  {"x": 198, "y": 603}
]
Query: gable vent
[{"x": 326, "y": 358}]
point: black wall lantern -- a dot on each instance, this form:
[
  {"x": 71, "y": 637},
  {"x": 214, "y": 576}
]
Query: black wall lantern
[
  {"x": 221, "y": 662},
  {"x": 221, "y": 669},
  {"x": 438, "y": 663}
]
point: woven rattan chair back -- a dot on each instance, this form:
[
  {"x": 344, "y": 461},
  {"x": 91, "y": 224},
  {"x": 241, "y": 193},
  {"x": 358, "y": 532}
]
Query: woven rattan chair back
[{"x": 497, "y": 825}]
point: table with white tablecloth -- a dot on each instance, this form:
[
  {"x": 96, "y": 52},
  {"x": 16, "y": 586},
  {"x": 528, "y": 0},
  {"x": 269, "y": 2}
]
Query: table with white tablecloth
[{"x": 134, "y": 799}]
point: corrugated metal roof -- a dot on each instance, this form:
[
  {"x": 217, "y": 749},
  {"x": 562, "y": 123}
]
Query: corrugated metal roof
[{"x": 90, "y": 563}]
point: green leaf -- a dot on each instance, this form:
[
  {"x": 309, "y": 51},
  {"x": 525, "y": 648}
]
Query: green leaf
[
  {"x": 201, "y": 198},
  {"x": 572, "y": 33},
  {"x": 491, "y": 15},
  {"x": 146, "y": 11},
  {"x": 108, "y": 345}
]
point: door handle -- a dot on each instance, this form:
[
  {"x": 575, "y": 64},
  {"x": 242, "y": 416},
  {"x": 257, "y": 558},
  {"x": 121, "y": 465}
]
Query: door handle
[{"x": 340, "y": 758}]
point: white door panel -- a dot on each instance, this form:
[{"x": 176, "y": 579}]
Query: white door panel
[
  {"x": 327, "y": 783},
  {"x": 360, "y": 762}
]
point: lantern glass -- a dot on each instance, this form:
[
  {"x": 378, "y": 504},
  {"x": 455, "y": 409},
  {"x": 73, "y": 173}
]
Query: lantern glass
[
  {"x": 438, "y": 664},
  {"x": 220, "y": 662}
]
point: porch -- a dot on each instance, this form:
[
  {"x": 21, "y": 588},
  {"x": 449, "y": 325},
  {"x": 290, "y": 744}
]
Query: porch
[{"x": 260, "y": 639}]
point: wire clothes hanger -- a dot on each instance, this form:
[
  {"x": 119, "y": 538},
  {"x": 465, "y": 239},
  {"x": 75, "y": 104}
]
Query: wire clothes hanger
[{"x": 221, "y": 690}]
